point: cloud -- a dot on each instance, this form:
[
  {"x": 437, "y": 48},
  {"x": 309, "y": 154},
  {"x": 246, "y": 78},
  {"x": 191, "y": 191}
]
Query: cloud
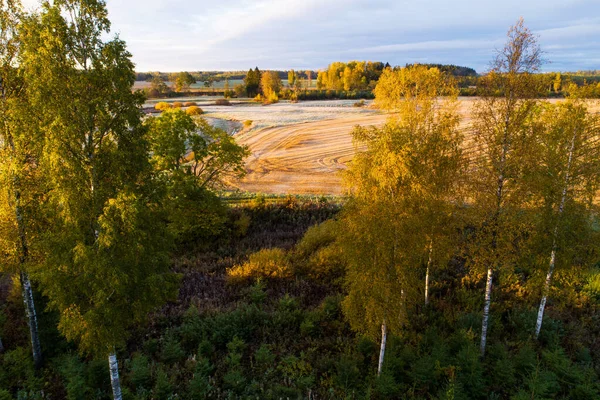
[{"x": 239, "y": 34}]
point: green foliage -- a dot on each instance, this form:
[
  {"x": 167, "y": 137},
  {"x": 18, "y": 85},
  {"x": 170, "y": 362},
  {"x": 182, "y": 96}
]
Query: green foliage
[
  {"x": 141, "y": 373},
  {"x": 72, "y": 370}
]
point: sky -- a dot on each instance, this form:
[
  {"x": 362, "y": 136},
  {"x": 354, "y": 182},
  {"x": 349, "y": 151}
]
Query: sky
[{"x": 195, "y": 35}]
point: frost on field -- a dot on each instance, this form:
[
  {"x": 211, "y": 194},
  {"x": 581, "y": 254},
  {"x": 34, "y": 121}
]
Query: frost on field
[{"x": 282, "y": 114}]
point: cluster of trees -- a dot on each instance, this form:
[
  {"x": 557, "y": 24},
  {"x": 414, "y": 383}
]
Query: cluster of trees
[
  {"x": 350, "y": 76},
  {"x": 92, "y": 196},
  {"x": 519, "y": 199}
]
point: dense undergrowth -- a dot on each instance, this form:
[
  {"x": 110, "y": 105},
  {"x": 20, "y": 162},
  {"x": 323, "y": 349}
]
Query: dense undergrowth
[{"x": 266, "y": 334}]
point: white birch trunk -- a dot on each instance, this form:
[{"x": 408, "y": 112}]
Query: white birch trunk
[
  {"x": 486, "y": 311},
  {"x": 32, "y": 319},
  {"x": 561, "y": 208},
  {"x": 427, "y": 273},
  {"x": 25, "y": 282},
  {"x": 114, "y": 376},
  {"x": 382, "y": 349},
  {"x": 540, "y": 316}
]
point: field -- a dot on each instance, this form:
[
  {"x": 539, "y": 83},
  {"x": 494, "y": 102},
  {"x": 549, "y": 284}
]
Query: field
[{"x": 301, "y": 149}]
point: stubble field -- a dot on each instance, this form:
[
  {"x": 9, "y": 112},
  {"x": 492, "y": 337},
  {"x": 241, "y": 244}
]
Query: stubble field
[{"x": 307, "y": 158}]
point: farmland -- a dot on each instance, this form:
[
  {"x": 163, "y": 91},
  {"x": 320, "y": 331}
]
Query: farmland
[{"x": 301, "y": 149}]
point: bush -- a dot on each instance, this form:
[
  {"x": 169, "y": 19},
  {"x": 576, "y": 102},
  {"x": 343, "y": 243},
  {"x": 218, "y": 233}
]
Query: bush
[
  {"x": 360, "y": 103},
  {"x": 194, "y": 110},
  {"x": 162, "y": 106},
  {"x": 267, "y": 263},
  {"x": 177, "y": 104},
  {"x": 141, "y": 375},
  {"x": 222, "y": 102},
  {"x": 190, "y": 104},
  {"x": 317, "y": 256},
  {"x": 248, "y": 123}
]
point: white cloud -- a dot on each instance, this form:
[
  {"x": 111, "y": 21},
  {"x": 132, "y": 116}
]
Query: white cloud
[{"x": 238, "y": 34}]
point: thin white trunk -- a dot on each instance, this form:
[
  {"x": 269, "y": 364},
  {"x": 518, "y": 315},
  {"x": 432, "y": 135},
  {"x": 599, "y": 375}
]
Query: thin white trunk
[
  {"x": 114, "y": 376},
  {"x": 561, "y": 208},
  {"x": 382, "y": 350},
  {"x": 486, "y": 311},
  {"x": 540, "y": 316},
  {"x": 32, "y": 319},
  {"x": 27, "y": 291},
  {"x": 427, "y": 272}
]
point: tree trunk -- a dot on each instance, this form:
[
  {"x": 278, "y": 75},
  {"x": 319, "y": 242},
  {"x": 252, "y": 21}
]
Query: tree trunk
[
  {"x": 114, "y": 376},
  {"x": 427, "y": 272},
  {"x": 25, "y": 282},
  {"x": 540, "y": 316},
  {"x": 486, "y": 311},
  {"x": 561, "y": 208},
  {"x": 32, "y": 319},
  {"x": 382, "y": 350}
]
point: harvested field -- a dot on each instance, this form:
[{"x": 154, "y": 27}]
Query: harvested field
[{"x": 306, "y": 158}]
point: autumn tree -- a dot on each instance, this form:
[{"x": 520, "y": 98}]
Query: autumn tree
[
  {"x": 292, "y": 77},
  {"x": 565, "y": 181},
  {"x": 106, "y": 248},
  {"x": 501, "y": 156},
  {"x": 21, "y": 182},
  {"x": 309, "y": 77},
  {"x": 270, "y": 85},
  {"x": 158, "y": 87},
  {"x": 183, "y": 81},
  {"x": 193, "y": 158},
  {"x": 407, "y": 181}
]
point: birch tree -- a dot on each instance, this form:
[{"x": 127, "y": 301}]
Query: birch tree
[
  {"x": 410, "y": 171},
  {"x": 379, "y": 281},
  {"x": 503, "y": 135},
  {"x": 107, "y": 247},
  {"x": 193, "y": 159},
  {"x": 20, "y": 183},
  {"x": 566, "y": 182}
]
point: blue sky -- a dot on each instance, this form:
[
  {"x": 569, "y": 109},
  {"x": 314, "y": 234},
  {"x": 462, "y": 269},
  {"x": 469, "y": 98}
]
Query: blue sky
[{"x": 174, "y": 35}]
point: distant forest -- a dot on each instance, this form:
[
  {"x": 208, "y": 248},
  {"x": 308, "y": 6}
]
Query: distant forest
[{"x": 342, "y": 80}]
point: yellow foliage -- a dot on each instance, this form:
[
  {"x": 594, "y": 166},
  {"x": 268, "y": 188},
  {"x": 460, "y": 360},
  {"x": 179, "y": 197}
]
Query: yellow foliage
[
  {"x": 194, "y": 110},
  {"x": 267, "y": 263},
  {"x": 162, "y": 106}
]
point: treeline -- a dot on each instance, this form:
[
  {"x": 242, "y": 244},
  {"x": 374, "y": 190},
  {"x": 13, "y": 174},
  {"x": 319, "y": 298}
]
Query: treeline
[{"x": 353, "y": 80}]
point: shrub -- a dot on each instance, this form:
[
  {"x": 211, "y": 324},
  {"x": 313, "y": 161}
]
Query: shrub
[
  {"x": 177, "y": 104},
  {"x": 190, "y": 104},
  {"x": 248, "y": 123},
  {"x": 162, "y": 106},
  {"x": 194, "y": 110},
  {"x": 267, "y": 263},
  {"x": 163, "y": 388},
  {"x": 317, "y": 256},
  {"x": 222, "y": 102},
  {"x": 141, "y": 375},
  {"x": 360, "y": 103},
  {"x": 171, "y": 350}
]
